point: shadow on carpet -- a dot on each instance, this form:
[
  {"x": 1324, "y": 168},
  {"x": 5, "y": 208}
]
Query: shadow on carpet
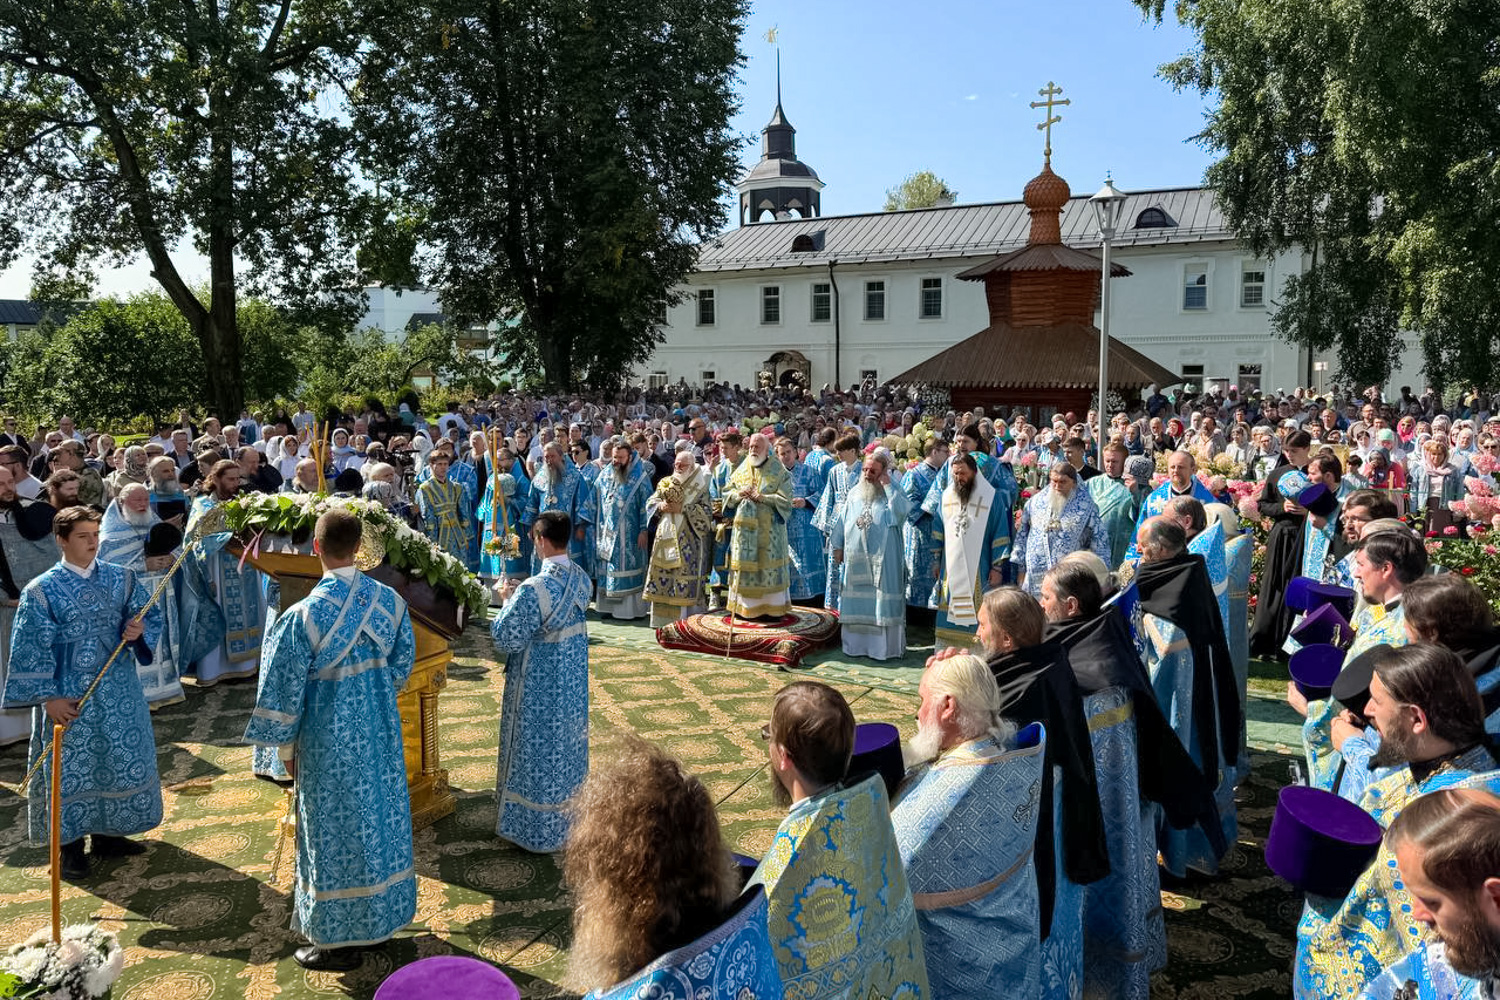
[{"x": 203, "y": 917}]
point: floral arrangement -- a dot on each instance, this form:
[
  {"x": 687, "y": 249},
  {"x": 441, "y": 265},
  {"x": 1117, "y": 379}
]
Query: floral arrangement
[
  {"x": 1473, "y": 557},
  {"x": 83, "y": 966},
  {"x": 295, "y": 514},
  {"x": 507, "y": 545},
  {"x": 1481, "y": 504}
]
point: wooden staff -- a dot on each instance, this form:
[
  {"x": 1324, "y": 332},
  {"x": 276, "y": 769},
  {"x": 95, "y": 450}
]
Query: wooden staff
[
  {"x": 56, "y": 810},
  {"x": 495, "y": 497},
  {"x": 318, "y": 454}
]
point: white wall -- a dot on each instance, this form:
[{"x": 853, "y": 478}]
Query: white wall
[{"x": 1147, "y": 313}]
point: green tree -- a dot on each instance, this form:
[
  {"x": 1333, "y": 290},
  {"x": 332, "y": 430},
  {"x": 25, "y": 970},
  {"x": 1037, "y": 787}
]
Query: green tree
[
  {"x": 923, "y": 189},
  {"x": 1364, "y": 131},
  {"x": 109, "y": 364},
  {"x": 563, "y": 160},
  {"x": 136, "y": 126}
]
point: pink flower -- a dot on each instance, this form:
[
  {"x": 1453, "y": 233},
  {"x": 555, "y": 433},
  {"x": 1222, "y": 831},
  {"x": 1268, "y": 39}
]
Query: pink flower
[
  {"x": 1451, "y": 530},
  {"x": 1491, "y": 550},
  {"x": 1248, "y": 509}
]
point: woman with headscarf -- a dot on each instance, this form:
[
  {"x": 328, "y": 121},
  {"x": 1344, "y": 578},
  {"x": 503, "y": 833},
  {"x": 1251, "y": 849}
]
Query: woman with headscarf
[
  {"x": 132, "y": 471},
  {"x": 1239, "y": 449}
]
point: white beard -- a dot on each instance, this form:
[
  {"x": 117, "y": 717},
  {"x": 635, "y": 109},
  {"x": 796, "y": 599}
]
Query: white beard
[
  {"x": 923, "y": 747},
  {"x": 758, "y": 462},
  {"x": 1055, "y": 504},
  {"x": 141, "y": 520},
  {"x": 867, "y": 492}
]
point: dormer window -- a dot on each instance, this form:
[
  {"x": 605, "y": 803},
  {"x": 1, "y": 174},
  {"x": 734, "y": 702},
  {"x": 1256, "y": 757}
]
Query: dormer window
[
  {"x": 1154, "y": 218},
  {"x": 804, "y": 244}
]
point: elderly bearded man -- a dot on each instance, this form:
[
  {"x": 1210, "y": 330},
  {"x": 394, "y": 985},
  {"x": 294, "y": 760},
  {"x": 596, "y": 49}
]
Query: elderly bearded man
[
  {"x": 623, "y": 490},
  {"x": 558, "y": 486},
  {"x": 965, "y": 822},
  {"x": 1057, "y": 521},
  {"x": 758, "y": 502},
  {"x": 973, "y": 525},
  {"x": 866, "y": 541},
  {"x": 676, "y": 579},
  {"x": 130, "y": 537}
]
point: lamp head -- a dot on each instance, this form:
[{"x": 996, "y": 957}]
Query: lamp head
[{"x": 1108, "y": 204}]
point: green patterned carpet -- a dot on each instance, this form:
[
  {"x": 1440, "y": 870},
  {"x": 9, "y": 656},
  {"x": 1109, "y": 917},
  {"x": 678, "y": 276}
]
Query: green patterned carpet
[{"x": 203, "y": 915}]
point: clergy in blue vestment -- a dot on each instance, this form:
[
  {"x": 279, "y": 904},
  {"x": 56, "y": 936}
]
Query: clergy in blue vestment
[
  {"x": 1182, "y": 481},
  {"x": 922, "y": 550},
  {"x": 125, "y": 539},
  {"x": 1429, "y": 714},
  {"x": 334, "y": 663},
  {"x": 1037, "y": 684},
  {"x": 809, "y": 561},
  {"x": 544, "y": 714},
  {"x": 1386, "y": 562},
  {"x": 820, "y": 458},
  {"x": 1116, "y": 502},
  {"x": 1060, "y": 519},
  {"x": 866, "y": 541},
  {"x": 557, "y": 486},
  {"x": 1207, "y": 540},
  {"x": 965, "y": 820},
  {"x": 657, "y": 907},
  {"x": 223, "y": 641},
  {"x": 998, "y": 474},
  {"x": 974, "y": 529},
  {"x": 498, "y": 522},
  {"x": 841, "y": 479},
  {"x": 1187, "y": 657},
  {"x": 69, "y": 621},
  {"x": 841, "y": 915},
  {"x": 1447, "y": 850},
  {"x": 622, "y": 492}
]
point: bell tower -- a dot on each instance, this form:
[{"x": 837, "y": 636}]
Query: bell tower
[{"x": 780, "y": 186}]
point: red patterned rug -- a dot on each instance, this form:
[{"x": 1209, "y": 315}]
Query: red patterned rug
[{"x": 782, "y": 641}]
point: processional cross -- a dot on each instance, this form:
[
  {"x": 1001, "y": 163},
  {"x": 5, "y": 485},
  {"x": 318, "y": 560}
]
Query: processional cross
[{"x": 1050, "y": 92}]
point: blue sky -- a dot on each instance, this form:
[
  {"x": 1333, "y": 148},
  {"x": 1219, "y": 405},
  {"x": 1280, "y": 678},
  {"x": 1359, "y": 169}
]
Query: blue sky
[{"x": 880, "y": 89}]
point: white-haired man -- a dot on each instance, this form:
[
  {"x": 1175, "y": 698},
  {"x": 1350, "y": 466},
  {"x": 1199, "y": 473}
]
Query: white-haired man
[
  {"x": 1059, "y": 520},
  {"x": 677, "y": 578},
  {"x": 867, "y": 543},
  {"x": 558, "y": 486},
  {"x": 965, "y": 821},
  {"x": 758, "y": 503}
]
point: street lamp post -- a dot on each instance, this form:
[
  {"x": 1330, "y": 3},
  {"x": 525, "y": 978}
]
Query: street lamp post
[{"x": 1108, "y": 203}]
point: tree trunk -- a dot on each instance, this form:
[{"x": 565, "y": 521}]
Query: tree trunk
[{"x": 219, "y": 333}]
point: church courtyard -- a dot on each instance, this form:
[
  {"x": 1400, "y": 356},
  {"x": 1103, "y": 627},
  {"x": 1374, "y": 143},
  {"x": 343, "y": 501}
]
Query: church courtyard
[{"x": 204, "y": 915}]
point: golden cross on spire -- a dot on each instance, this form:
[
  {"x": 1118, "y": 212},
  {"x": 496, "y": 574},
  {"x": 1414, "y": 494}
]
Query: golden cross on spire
[{"x": 1050, "y": 92}]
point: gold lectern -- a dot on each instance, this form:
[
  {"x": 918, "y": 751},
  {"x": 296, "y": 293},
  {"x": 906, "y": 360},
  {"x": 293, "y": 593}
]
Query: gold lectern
[{"x": 436, "y": 619}]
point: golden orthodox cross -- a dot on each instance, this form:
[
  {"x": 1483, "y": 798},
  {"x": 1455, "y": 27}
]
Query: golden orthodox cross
[{"x": 1050, "y": 92}]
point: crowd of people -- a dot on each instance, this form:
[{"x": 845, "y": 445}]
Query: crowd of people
[{"x": 1081, "y": 721}]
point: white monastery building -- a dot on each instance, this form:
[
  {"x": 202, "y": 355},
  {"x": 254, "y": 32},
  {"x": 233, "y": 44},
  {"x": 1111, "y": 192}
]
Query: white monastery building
[{"x": 845, "y": 298}]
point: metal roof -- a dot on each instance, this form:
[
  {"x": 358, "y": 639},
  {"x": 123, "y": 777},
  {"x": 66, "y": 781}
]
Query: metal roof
[
  {"x": 959, "y": 231},
  {"x": 21, "y": 312}
]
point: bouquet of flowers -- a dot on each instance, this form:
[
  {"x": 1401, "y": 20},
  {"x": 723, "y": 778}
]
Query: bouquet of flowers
[
  {"x": 83, "y": 966},
  {"x": 255, "y": 515}
]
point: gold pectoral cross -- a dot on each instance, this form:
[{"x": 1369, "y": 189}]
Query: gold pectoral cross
[{"x": 1050, "y": 92}]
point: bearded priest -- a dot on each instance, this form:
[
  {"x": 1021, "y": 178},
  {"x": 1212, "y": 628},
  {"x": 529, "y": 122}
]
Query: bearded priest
[
  {"x": 758, "y": 503},
  {"x": 867, "y": 542}
]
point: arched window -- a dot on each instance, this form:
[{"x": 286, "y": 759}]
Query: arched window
[
  {"x": 804, "y": 243},
  {"x": 1154, "y": 218}
]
